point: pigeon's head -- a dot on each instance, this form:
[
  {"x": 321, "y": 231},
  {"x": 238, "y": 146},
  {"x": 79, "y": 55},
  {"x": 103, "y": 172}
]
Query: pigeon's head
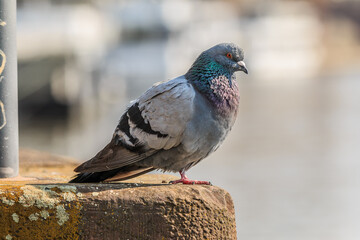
[
  {"x": 227, "y": 55},
  {"x": 218, "y": 62}
]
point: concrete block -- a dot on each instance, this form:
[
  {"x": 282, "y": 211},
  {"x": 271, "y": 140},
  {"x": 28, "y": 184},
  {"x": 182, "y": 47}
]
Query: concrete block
[{"x": 141, "y": 208}]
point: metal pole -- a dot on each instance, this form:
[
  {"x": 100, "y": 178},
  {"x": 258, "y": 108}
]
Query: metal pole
[{"x": 9, "y": 139}]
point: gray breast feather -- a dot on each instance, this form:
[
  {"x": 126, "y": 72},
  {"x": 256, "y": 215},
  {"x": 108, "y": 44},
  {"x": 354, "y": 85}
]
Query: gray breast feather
[{"x": 203, "y": 133}]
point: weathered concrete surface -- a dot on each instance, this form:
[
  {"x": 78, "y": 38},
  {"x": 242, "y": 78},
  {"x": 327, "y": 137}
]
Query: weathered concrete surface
[{"x": 147, "y": 208}]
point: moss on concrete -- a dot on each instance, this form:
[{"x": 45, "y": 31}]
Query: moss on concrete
[{"x": 39, "y": 211}]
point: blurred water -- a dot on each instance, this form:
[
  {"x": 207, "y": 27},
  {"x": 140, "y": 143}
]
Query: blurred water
[{"x": 294, "y": 174}]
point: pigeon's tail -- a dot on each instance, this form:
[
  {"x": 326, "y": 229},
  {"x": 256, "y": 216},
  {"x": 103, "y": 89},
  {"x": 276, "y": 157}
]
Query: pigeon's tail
[
  {"x": 93, "y": 177},
  {"x": 117, "y": 174}
]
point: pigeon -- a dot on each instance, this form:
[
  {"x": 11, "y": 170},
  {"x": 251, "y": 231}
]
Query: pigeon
[{"x": 174, "y": 124}]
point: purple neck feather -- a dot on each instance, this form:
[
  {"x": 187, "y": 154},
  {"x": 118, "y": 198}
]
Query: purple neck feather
[{"x": 222, "y": 96}]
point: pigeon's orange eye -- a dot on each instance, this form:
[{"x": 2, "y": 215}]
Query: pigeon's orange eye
[{"x": 229, "y": 55}]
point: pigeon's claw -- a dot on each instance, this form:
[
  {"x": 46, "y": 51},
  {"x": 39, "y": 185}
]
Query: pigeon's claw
[
  {"x": 185, "y": 180},
  {"x": 189, "y": 181}
]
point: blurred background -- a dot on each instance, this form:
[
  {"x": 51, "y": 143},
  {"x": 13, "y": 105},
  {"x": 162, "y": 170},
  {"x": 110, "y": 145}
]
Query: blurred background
[{"x": 291, "y": 162}]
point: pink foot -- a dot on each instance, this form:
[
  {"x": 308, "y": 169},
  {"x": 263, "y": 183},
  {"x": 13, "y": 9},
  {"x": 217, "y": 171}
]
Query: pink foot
[{"x": 185, "y": 180}]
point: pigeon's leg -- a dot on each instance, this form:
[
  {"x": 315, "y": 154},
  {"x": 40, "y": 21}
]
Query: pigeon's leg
[{"x": 185, "y": 180}]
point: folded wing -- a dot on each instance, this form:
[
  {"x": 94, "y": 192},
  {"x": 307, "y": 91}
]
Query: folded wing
[{"x": 154, "y": 122}]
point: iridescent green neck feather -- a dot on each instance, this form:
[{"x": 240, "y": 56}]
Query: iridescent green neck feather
[{"x": 216, "y": 82}]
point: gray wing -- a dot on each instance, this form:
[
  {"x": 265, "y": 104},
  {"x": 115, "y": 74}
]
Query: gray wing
[
  {"x": 158, "y": 118},
  {"x": 155, "y": 121}
]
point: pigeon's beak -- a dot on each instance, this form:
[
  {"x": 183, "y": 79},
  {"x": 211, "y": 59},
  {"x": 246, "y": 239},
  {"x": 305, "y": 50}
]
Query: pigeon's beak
[{"x": 242, "y": 67}]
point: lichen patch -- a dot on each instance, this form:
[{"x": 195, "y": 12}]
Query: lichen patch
[
  {"x": 61, "y": 214},
  {"x": 62, "y": 188},
  {"x": 33, "y": 196},
  {"x": 34, "y": 217},
  {"x": 44, "y": 214},
  {"x": 15, "y": 217},
  {"x": 68, "y": 196},
  {"x": 67, "y": 188},
  {"x": 53, "y": 208},
  {"x": 8, "y": 201}
]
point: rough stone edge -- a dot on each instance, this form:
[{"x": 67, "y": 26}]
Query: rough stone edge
[{"x": 67, "y": 211}]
